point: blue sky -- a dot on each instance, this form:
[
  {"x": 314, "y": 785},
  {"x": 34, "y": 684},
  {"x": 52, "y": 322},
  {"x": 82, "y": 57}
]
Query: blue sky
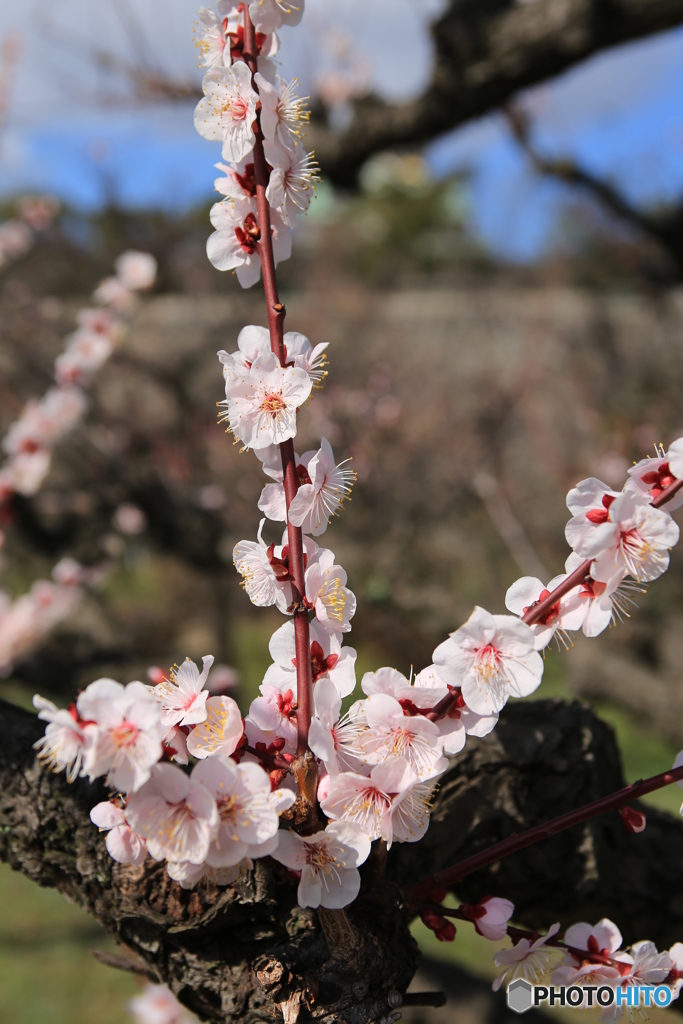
[{"x": 620, "y": 113}]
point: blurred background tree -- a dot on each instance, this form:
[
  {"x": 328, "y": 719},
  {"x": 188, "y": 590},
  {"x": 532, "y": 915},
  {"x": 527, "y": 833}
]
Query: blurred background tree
[{"x": 496, "y": 256}]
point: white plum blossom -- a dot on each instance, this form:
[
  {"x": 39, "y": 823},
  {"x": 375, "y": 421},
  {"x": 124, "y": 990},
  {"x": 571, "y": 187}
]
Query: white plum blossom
[
  {"x": 233, "y": 245},
  {"x": 25, "y": 622},
  {"x": 567, "y": 613},
  {"x": 253, "y": 342},
  {"x": 264, "y": 576},
  {"x": 675, "y": 457},
  {"x": 247, "y": 809},
  {"x": 62, "y": 746},
  {"x": 603, "y": 602},
  {"x": 45, "y": 422},
  {"x": 274, "y": 712},
  {"x": 228, "y": 110},
  {"x": 328, "y": 862},
  {"x": 182, "y": 697},
  {"x": 220, "y": 732},
  {"x": 136, "y": 270},
  {"x": 391, "y": 803},
  {"x": 188, "y": 875},
  {"x": 328, "y": 658},
  {"x": 330, "y": 485},
  {"x": 653, "y": 476},
  {"x": 327, "y": 594},
  {"x": 603, "y": 938},
  {"x": 122, "y": 843},
  {"x": 210, "y": 40},
  {"x": 460, "y": 721},
  {"x": 393, "y": 733},
  {"x": 85, "y": 353},
  {"x": 158, "y": 1005},
  {"x": 124, "y": 732},
  {"x": 491, "y": 658},
  {"x": 335, "y": 740},
  {"x": 292, "y": 179},
  {"x": 527, "y": 959},
  {"x": 621, "y": 532},
  {"x": 262, "y": 403},
  {"x": 176, "y": 814},
  {"x": 270, "y": 15},
  {"x": 284, "y": 115}
]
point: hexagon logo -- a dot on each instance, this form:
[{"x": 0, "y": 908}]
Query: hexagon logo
[{"x": 520, "y": 996}]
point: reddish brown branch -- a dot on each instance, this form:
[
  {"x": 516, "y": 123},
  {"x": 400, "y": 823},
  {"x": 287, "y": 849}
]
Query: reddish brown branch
[
  {"x": 276, "y": 318},
  {"x": 521, "y": 840},
  {"x": 537, "y": 611}
]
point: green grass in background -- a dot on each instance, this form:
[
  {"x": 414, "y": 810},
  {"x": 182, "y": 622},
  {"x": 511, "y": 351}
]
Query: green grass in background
[{"x": 47, "y": 975}]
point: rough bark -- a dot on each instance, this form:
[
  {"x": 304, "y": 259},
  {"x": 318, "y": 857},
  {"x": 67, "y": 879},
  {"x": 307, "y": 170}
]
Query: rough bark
[
  {"x": 240, "y": 953},
  {"x": 486, "y": 51}
]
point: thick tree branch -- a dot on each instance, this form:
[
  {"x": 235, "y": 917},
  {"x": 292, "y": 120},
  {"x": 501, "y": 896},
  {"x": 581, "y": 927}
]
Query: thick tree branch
[
  {"x": 664, "y": 228},
  {"x": 240, "y": 953},
  {"x": 486, "y": 51}
]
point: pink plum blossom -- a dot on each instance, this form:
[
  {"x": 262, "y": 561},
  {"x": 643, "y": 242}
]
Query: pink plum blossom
[
  {"x": 491, "y": 658},
  {"x": 328, "y": 862},
  {"x": 228, "y": 110},
  {"x": 568, "y": 613},
  {"x": 124, "y": 735},
  {"x": 220, "y": 732},
  {"x": 182, "y": 697},
  {"x": 176, "y": 814},
  {"x": 490, "y": 917},
  {"x": 122, "y": 843},
  {"x": 316, "y": 502},
  {"x": 261, "y": 404}
]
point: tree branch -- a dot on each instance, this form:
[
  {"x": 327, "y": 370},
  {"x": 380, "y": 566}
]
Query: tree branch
[
  {"x": 241, "y": 953},
  {"x": 486, "y": 51},
  {"x": 664, "y": 227}
]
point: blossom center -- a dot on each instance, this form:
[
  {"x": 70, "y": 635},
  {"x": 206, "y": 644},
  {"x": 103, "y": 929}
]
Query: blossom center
[
  {"x": 125, "y": 734},
  {"x": 272, "y": 403}
]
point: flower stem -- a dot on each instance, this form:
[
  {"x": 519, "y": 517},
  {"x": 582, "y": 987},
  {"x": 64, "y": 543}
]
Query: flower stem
[
  {"x": 276, "y": 318},
  {"x": 541, "y": 608},
  {"x": 520, "y": 840}
]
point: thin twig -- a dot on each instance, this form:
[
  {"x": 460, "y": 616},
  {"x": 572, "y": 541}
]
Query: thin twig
[{"x": 520, "y": 840}]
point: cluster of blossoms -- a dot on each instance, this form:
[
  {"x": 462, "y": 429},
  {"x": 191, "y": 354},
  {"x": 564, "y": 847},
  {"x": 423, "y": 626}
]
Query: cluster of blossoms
[
  {"x": 195, "y": 784},
  {"x": 35, "y": 214},
  {"x": 228, "y": 114},
  {"x": 28, "y": 619},
  {"x": 30, "y": 440},
  {"x": 590, "y": 955}
]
